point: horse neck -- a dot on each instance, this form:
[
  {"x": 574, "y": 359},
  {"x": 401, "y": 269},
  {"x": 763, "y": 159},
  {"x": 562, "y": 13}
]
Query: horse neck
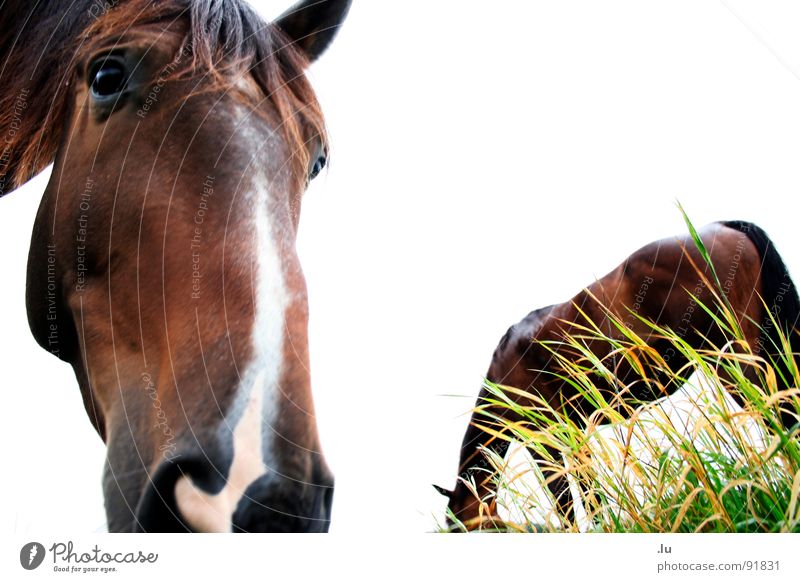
[{"x": 512, "y": 362}]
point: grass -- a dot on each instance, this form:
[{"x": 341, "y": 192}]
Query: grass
[{"x": 645, "y": 467}]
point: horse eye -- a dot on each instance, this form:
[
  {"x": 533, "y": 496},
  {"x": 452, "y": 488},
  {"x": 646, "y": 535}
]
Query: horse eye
[
  {"x": 108, "y": 78},
  {"x": 319, "y": 165}
]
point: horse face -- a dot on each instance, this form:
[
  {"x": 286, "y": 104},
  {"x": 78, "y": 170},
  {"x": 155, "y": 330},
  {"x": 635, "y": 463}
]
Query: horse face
[{"x": 163, "y": 261}]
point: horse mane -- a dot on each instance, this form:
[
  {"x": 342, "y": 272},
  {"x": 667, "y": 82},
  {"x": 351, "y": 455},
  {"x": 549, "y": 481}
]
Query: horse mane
[
  {"x": 225, "y": 38},
  {"x": 36, "y": 41}
]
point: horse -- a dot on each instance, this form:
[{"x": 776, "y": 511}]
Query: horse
[
  {"x": 666, "y": 283},
  {"x": 162, "y": 263}
]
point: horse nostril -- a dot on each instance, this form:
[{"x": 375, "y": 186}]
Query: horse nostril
[
  {"x": 158, "y": 509},
  {"x": 291, "y": 507}
]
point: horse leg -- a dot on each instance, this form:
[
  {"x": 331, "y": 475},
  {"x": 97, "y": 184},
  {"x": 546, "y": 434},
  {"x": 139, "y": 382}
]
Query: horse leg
[{"x": 555, "y": 480}]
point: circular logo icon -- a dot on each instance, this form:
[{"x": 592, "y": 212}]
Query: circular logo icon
[{"x": 31, "y": 555}]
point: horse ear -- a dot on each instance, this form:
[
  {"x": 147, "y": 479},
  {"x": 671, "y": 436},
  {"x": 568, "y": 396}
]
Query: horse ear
[
  {"x": 442, "y": 491},
  {"x": 312, "y": 24}
]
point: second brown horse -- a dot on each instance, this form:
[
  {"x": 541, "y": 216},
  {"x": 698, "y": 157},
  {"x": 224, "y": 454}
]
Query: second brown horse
[{"x": 664, "y": 282}]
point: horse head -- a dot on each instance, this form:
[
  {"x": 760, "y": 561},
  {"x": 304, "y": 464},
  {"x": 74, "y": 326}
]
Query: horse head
[{"x": 162, "y": 265}]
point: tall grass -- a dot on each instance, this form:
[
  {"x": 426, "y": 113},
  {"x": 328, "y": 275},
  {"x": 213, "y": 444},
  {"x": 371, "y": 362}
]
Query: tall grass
[{"x": 642, "y": 466}]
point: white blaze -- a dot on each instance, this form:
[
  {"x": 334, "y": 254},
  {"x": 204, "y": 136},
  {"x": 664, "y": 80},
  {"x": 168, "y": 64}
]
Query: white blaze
[{"x": 258, "y": 390}]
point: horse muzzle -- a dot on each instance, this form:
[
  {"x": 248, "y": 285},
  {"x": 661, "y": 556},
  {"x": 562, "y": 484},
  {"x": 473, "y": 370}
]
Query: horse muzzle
[{"x": 189, "y": 494}]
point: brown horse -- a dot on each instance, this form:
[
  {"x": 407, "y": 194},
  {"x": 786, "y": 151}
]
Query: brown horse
[
  {"x": 659, "y": 283},
  {"x": 162, "y": 265}
]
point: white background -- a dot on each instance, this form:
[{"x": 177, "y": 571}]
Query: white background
[{"x": 488, "y": 158}]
